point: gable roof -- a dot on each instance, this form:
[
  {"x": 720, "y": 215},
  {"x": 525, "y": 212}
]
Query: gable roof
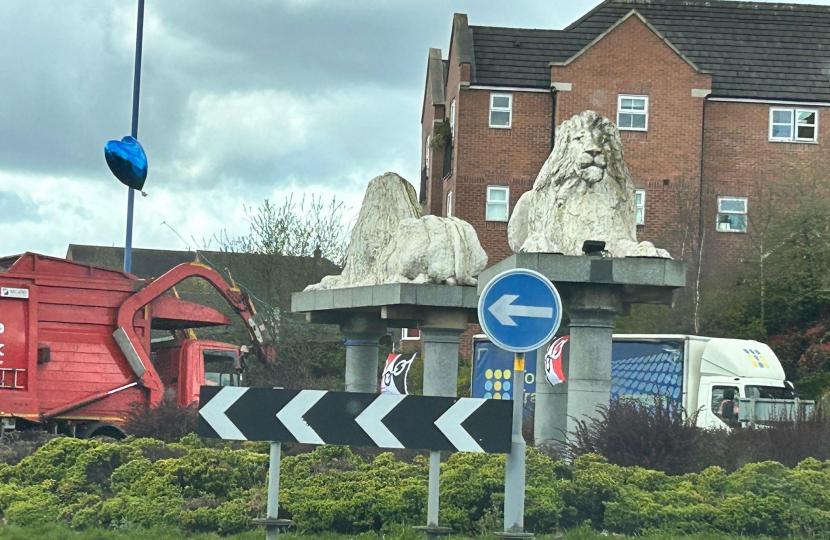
[{"x": 753, "y": 50}]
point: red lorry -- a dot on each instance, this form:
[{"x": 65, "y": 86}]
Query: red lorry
[{"x": 75, "y": 347}]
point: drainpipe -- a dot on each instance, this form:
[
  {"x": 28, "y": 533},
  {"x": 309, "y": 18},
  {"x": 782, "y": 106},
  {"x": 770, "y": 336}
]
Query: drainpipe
[
  {"x": 552, "y": 116},
  {"x": 701, "y": 234}
]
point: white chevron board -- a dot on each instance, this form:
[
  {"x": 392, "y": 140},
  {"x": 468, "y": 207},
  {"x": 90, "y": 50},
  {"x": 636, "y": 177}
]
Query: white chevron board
[{"x": 355, "y": 419}]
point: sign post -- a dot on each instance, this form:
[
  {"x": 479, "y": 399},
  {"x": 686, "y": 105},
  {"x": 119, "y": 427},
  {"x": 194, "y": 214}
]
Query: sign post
[
  {"x": 349, "y": 418},
  {"x": 520, "y": 310}
]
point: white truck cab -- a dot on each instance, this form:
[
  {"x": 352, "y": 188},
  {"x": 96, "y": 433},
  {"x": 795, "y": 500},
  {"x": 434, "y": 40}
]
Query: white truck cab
[{"x": 714, "y": 368}]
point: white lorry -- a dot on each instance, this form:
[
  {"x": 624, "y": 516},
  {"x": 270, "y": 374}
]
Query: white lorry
[{"x": 697, "y": 371}]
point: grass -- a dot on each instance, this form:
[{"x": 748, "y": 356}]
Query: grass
[{"x": 59, "y": 532}]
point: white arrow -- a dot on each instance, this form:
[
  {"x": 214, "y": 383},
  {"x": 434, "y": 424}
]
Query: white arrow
[
  {"x": 291, "y": 416},
  {"x": 450, "y": 424},
  {"x": 503, "y": 310},
  {"x": 371, "y": 420},
  {"x": 214, "y": 413}
]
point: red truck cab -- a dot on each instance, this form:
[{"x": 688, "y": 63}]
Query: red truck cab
[{"x": 186, "y": 366}]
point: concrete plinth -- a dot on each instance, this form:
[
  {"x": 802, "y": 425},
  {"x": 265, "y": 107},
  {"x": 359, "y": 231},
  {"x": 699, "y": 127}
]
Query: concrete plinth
[
  {"x": 595, "y": 290},
  {"x": 365, "y": 313}
]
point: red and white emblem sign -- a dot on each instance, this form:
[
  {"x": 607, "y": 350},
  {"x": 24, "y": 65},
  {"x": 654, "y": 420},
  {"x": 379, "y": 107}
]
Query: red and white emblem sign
[{"x": 553, "y": 361}]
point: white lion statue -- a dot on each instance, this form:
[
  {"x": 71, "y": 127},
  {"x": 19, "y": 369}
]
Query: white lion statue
[
  {"x": 583, "y": 192},
  {"x": 392, "y": 243}
]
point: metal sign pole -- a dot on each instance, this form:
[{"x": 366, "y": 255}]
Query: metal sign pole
[
  {"x": 272, "y": 522},
  {"x": 128, "y": 246},
  {"x": 514, "y": 478}
]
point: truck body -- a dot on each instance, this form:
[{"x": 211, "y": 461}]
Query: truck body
[
  {"x": 693, "y": 370},
  {"x": 76, "y": 350}
]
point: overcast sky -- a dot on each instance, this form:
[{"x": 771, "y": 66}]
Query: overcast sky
[{"x": 241, "y": 100}]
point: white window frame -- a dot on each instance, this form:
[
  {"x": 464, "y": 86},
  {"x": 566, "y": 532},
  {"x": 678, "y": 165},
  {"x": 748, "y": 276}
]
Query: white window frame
[
  {"x": 449, "y": 203},
  {"x": 638, "y": 206},
  {"x": 644, "y": 112},
  {"x": 505, "y": 202},
  {"x": 733, "y": 212},
  {"x": 405, "y": 335},
  {"x": 793, "y": 125},
  {"x": 452, "y": 118},
  {"x": 426, "y": 153},
  {"x": 508, "y": 109}
]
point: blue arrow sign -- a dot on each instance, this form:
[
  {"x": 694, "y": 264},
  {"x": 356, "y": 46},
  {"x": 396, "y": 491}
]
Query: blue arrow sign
[{"x": 520, "y": 310}]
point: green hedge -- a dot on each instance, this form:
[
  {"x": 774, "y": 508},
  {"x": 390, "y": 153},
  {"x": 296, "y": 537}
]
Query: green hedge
[{"x": 146, "y": 483}]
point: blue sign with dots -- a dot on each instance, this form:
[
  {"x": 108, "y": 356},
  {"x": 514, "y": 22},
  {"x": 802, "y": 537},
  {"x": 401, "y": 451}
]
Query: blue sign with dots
[
  {"x": 520, "y": 310},
  {"x": 639, "y": 369},
  {"x": 493, "y": 374}
]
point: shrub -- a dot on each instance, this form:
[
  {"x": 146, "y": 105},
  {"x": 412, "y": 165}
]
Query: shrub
[
  {"x": 17, "y": 445},
  {"x": 659, "y": 435},
  {"x": 142, "y": 483},
  {"x": 166, "y": 422}
]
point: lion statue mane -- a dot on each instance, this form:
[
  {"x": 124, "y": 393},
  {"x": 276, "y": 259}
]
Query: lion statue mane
[
  {"x": 583, "y": 192},
  {"x": 392, "y": 242}
]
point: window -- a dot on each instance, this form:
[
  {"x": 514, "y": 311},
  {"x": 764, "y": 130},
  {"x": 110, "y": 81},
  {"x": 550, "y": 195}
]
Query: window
[
  {"x": 732, "y": 214},
  {"x": 221, "y": 368},
  {"x": 632, "y": 113},
  {"x": 640, "y": 201},
  {"x": 426, "y": 153},
  {"x": 788, "y": 125},
  {"x": 498, "y": 198},
  {"x": 452, "y": 118},
  {"x": 410, "y": 333},
  {"x": 501, "y": 110},
  {"x": 449, "y": 203},
  {"x": 725, "y": 393}
]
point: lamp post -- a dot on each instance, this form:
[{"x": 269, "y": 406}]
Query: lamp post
[{"x": 128, "y": 247}]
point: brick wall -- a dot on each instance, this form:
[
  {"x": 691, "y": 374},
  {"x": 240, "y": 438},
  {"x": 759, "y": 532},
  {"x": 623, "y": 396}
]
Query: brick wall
[
  {"x": 488, "y": 156},
  {"x": 665, "y": 160},
  {"x": 741, "y": 161}
]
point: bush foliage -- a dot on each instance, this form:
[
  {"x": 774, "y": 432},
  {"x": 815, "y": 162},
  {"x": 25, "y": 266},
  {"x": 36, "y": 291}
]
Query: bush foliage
[{"x": 141, "y": 483}]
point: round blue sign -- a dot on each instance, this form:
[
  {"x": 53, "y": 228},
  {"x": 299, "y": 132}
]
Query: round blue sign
[{"x": 520, "y": 310}]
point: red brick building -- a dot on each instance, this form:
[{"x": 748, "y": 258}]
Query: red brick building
[{"x": 714, "y": 101}]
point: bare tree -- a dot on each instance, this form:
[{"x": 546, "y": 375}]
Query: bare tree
[{"x": 292, "y": 229}]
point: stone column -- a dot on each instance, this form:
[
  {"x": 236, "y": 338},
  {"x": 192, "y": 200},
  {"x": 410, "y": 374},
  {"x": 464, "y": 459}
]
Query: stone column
[
  {"x": 440, "y": 331},
  {"x": 551, "y": 410},
  {"x": 592, "y": 309},
  {"x": 362, "y": 335}
]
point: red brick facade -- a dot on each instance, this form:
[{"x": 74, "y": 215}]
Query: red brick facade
[{"x": 697, "y": 147}]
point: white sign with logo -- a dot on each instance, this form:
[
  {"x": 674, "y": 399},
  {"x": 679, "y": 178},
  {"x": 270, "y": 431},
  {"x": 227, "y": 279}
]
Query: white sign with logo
[{"x": 11, "y": 292}]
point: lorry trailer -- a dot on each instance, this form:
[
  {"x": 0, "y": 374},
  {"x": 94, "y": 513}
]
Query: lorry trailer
[
  {"x": 76, "y": 350},
  {"x": 697, "y": 372}
]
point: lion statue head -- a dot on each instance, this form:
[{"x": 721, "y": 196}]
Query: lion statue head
[{"x": 583, "y": 192}]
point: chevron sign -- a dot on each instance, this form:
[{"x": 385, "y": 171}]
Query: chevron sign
[{"x": 354, "y": 419}]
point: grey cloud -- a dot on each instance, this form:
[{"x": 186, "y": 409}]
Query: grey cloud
[{"x": 13, "y": 209}]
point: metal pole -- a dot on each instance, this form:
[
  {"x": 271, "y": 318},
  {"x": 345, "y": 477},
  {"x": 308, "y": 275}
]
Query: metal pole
[
  {"x": 433, "y": 493},
  {"x": 128, "y": 247},
  {"x": 514, "y": 480},
  {"x": 273, "y": 490}
]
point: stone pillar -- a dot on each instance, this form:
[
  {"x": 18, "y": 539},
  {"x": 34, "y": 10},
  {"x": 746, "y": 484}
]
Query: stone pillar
[
  {"x": 592, "y": 309},
  {"x": 362, "y": 335},
  {"x": 441, "y": 331},
  {"x": 551, "y": 410}
]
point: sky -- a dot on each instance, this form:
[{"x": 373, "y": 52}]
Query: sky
[{"x": 241, "y": 101}]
